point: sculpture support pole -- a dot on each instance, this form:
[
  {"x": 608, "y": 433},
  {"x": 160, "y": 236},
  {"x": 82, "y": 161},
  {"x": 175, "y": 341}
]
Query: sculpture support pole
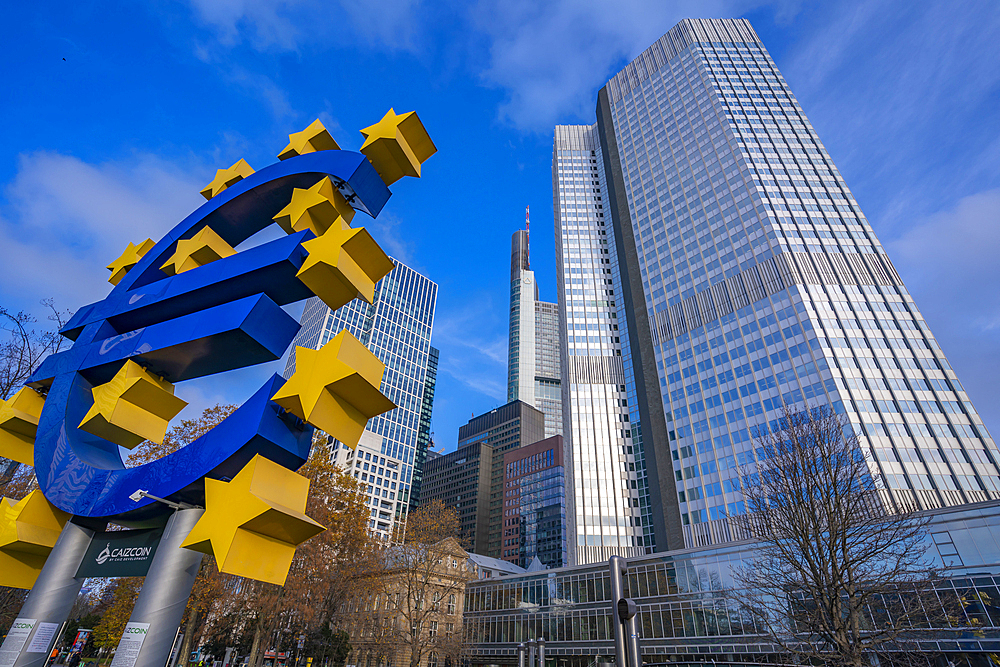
[
  {"x": 52, "y": 597},
  {"x": 163, "y": 597},
  {"x": 617, "y": 565}
]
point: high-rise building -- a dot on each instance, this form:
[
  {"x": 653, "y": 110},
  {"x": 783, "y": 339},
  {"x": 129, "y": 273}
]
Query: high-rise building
[
  {"x": 533, "y": 373},
  {"x": 610, "y": 508},
  {"x": 396, "y": 327},
  {"x": 461, "y": 479},
  {"x": 380, "y": 475},
  {"x": 508, "y": 427},
  {"x": 750, "y": 280},
  {"x": 534, "y": 506},
  {"x": 424, "y": 434}
]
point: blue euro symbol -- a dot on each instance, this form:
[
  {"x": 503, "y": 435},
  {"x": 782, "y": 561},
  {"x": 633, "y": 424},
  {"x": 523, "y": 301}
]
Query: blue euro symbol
[{"x": 218, "y": 317}]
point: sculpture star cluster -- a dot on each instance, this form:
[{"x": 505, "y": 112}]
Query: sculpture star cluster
[
  {"x": 336, "y": 388},
  {"x": 29, "y": 529},
  {"x": 19, "y": 417},
  {"x": 253, "y": 523},
  {"x": 134, "y": 406}
]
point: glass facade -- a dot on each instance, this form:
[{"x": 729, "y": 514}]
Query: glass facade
[
  {"x": 684, "y": 615},
  {"x": 508, "y": 427},
  {"x": 396, "y": 327},
  {"x": 764, "y": 284},
  {"x": 608, "y": 505},
  {"x": 533, "y": 352},
  {"x": 534, "y": 506}
]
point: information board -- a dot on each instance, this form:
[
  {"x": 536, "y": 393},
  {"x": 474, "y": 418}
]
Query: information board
[{"x": 18, "y": 634}]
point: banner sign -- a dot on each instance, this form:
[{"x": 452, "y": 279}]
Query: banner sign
[
  {"x": 18, "y": 634},
  {"x": 82, "y": 635},
  {"x": 120, "y": 553}
]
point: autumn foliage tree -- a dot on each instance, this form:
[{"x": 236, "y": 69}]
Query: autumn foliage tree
[
  {"x": 413, "y": 608},
  {"x": 326, "y": 569}
]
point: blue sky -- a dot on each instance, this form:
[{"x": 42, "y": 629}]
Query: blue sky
[{"x": 116, "y": 114}]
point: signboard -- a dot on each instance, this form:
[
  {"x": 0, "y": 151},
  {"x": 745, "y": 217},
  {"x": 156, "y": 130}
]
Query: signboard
[
  {"x": 130, "y": 645},
  {"x": 121, "y": 553},
  {"x": 19, "y": 633},
  {"x": 43, "y": 638}
]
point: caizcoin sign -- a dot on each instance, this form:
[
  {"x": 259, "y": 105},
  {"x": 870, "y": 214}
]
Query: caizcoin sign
[{"x": 123, "y": 553}]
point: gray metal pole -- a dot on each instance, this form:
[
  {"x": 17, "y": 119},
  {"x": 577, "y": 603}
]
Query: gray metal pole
[
  {"x": 541, "y": 652},
  {"x": 164, "y": 595},
  {"x": 520, "y": 655},
  {"x": 632, "y": 630},
  {"x": 617, "y": 566},
  {"x": 531, "y": 653},
  {"x": 52, "y": 597}
]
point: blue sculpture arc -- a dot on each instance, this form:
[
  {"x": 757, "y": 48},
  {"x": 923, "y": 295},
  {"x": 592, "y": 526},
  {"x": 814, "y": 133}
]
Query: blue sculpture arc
[{"x": 221, "y": 316}]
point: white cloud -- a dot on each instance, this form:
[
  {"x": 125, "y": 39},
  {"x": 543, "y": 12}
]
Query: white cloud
[
  {"x": 949, "y": 263},
  {"x": 473, "y": 344},
  {"x": 288, "y": 25},
  {"x": 901, "y": 93},
  {"x": 552, "y": 57},
  {"x": 65, "y": 220}
]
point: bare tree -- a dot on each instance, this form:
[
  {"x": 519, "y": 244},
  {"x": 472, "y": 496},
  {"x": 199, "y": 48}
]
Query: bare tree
[
  {"x": 836, "y": 576},
  {"x": 25, "y": 346},
  {"x": 412, "y": 614}
]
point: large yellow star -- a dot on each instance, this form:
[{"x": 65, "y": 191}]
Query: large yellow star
[
  {"x": 204, "y": 247},
  {"x": 317, "y": 208},
  {"x": 343, "y": 264},
  {"x": 29, "y": 529},
  {"x": 253, "y": 523},
  {"x": 313, "y": 138},
  {"x": 226, "y": 177},
  {"x": 133, "y": 253},
  {"x": 397, "y": 145},
  {"x": 336, "y": 388},
  {"x": 134, "y": 406},
  {"x": 19, "y": 417}
]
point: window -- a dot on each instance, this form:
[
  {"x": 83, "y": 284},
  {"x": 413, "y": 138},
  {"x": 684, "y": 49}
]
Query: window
[
  {"x": 432, "y": 660},
  {"x": 451, "y": 604},
  {"x": 433, "y": 631}
]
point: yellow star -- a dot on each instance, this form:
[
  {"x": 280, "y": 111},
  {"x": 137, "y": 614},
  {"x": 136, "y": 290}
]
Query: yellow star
[
  {"x": 29, "y": 529},
  {"x": 336, "y": 388},
  {"x": 134, "y": 406},
  {"x": 226, "y": 177},
  {"x": 397, "y": 145},
  {"x": 253, "y": 523},
  {"x": 133, "y": 253},
  {"x": 343, "y": 264},
  {"x": 204, "y": 247},
  {"x": 318, "y": 208},
  {"x": 19, "y": 416},
  {"x": 313, "y": 138}
]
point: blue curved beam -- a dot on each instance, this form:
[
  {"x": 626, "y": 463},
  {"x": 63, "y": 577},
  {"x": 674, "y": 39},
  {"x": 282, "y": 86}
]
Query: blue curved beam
[{"x": 221, "y": 316}]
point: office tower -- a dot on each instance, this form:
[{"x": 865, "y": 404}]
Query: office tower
[
  {"x": 534, "y": 507},
  {"x": 396, "y": 327},
  {"x": 533, "y": 373},
  {"x": 508, "y": 427},
  {"x": 752, "y": 280},
  {"x": 610, "y": 508},
  {"x": 424, "y": 435},
  {"x": 380, "y": 476},
  {"x": 461, "y": 479}
]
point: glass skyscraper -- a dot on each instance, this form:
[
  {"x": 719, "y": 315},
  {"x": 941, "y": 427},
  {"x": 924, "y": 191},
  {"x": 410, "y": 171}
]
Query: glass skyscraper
[
  {"x": 609, "y": 509},
  {"x": 533, "y": 374},
  {"x": 749, "y": 279},
  {"x": 396, "y": 327}
]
